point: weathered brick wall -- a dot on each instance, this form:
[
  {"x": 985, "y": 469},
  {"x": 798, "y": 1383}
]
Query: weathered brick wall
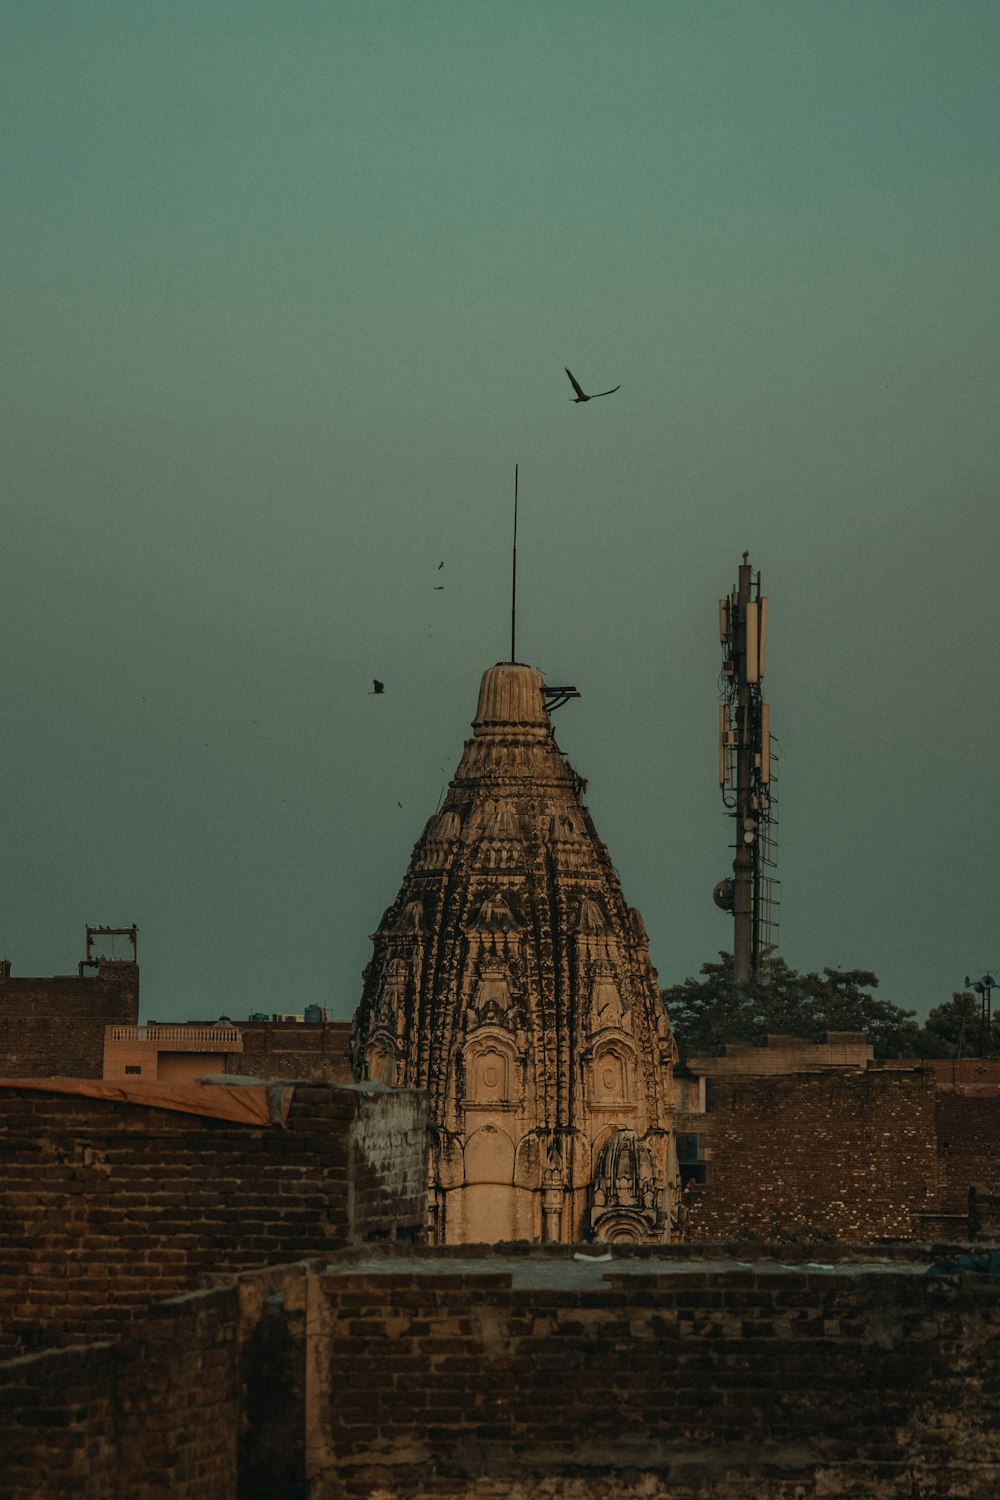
[
  {"x": 202, "y": 1398},
  {"x": 735, "y": 1384},
  {"x": 105, "y": 1206},
  {"x": 968, "y": 1131},
  {"x": 950, "y": 1072},
  {"x": 275, "y": 1417},
  {"x": 277, "y": 1049},
  {"x": 388, "y": 1179},
  {"x": 839, "y": 1156},
  {"x": 151, "y": 1416},
  {"x": 57, "y": 1424},
  {"x": 55, "y": 1027},
  {"x": 436, "y": 1374}
]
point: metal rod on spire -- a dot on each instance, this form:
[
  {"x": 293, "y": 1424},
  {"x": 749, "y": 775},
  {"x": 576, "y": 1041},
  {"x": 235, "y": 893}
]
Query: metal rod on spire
[{"x": 513, "y": 586}]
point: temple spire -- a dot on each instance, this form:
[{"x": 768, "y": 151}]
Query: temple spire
[{"x": 511, "y": 981}]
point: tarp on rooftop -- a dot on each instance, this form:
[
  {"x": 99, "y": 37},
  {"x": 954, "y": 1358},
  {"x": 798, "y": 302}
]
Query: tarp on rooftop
[{"x": 256, "y": 1103}]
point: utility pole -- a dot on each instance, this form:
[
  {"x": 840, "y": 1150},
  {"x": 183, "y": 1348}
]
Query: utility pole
[
  {"x": 984, "y": 987},
  {"x": 747, "y": 777}
]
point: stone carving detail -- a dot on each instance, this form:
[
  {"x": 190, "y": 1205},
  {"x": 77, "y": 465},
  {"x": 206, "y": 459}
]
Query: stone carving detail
[
  {"x": 513, "y": 984},
  {"x": 553, "y": 1192},
  {"x": 637, "y": 926},
  {"x": 411, "y": 918},
  {"x": 391, "y": 1001},
  {"x": 607, "y": 1008},
  {"x": 448, "y": 825},
  {"x": 382, "y": 1063},
  {"x": 499, "y": 822},
  {"x": 494, "y": 916},
  {"x": 492, "y": 1004},
  {"x": 591, "y": 917},
  {"x": 625, "y": 1193},
  {"x": 566, "y": 827}
]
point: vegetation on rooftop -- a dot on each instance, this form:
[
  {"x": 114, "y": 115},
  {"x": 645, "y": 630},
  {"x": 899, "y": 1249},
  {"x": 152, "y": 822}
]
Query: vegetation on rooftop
[{"x": 709, "y": 1011}]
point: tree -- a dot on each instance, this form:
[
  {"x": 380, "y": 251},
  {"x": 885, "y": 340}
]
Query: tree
[
  {"x": 955, "y": 1028},
  {"x": 707, "y": 1012}
]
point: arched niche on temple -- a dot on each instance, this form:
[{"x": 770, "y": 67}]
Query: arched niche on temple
[
  {"x": 621, "y": 1229},
  {"x": 489, "y": 1156},
  {"x": 490, "y": 1065},
  {"x": 446, "y": 825},
  {"x": 448, "y": 1161},
  {"x": 613, "y": 1072}
]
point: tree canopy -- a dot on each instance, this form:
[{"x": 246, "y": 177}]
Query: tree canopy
[
  {"x": 956, "y": 1028},
  {"x": 709, "y": 1011}
]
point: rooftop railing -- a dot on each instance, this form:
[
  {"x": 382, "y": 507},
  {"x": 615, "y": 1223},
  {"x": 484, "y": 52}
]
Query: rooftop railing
[{"x": 175, "y": 1034}]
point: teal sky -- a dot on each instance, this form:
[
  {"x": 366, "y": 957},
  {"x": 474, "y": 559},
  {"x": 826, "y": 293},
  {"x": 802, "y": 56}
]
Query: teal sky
[{"x": 290, "y": 288}]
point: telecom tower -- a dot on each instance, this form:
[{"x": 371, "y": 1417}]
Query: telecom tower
[{"x": 748, "y": 776}]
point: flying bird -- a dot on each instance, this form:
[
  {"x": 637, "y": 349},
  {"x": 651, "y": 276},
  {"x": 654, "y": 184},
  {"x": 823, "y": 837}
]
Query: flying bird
[
  {"x": 377, "y": 687},
  {"x": 581, "y": 394},
  {"x": 440, "y": 565}
]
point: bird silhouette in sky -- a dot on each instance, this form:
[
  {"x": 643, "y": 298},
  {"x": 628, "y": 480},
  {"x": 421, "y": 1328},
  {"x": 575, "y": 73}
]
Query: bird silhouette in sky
[
  {"x": 581, "y": 394},
  {"x": 377, "y": 687}
]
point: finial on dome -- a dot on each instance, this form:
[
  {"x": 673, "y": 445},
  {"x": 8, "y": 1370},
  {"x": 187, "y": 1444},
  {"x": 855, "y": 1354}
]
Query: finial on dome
[{"x": 511, "y": 695}]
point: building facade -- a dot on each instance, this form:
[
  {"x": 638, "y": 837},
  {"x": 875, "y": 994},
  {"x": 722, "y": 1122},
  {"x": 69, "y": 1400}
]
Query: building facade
[
  {"x": 56, "y": 1026},
  {"x": 282, "y": 1046},
  {"x": 511, "y": 981}
]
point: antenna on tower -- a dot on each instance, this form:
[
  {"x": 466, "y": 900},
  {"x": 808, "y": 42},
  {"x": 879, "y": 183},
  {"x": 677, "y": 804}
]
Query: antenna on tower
[
  {"x": 748, "y": 777},
  {"x": 513, "y": 585}
]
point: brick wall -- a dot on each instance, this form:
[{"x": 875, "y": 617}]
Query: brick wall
[
  {"x": 736, "y": 1384},
  {"x": 151, "y": 1416},
  {"x": 968, "y": 1131},
  {"x": 841, "y": 1156},
  {"x": 441, "y": 1374},
  {"x": 105, "y": 1206},
  {"x": 55, "y": 1027},
  {"x": 388, "y": 1176},
  {"x": 275, "y": 1417},
  {"x": 201, "y": 1398},
  {"x": 283, "y": 1049},
  {"x": 950, "y": 1072}
]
